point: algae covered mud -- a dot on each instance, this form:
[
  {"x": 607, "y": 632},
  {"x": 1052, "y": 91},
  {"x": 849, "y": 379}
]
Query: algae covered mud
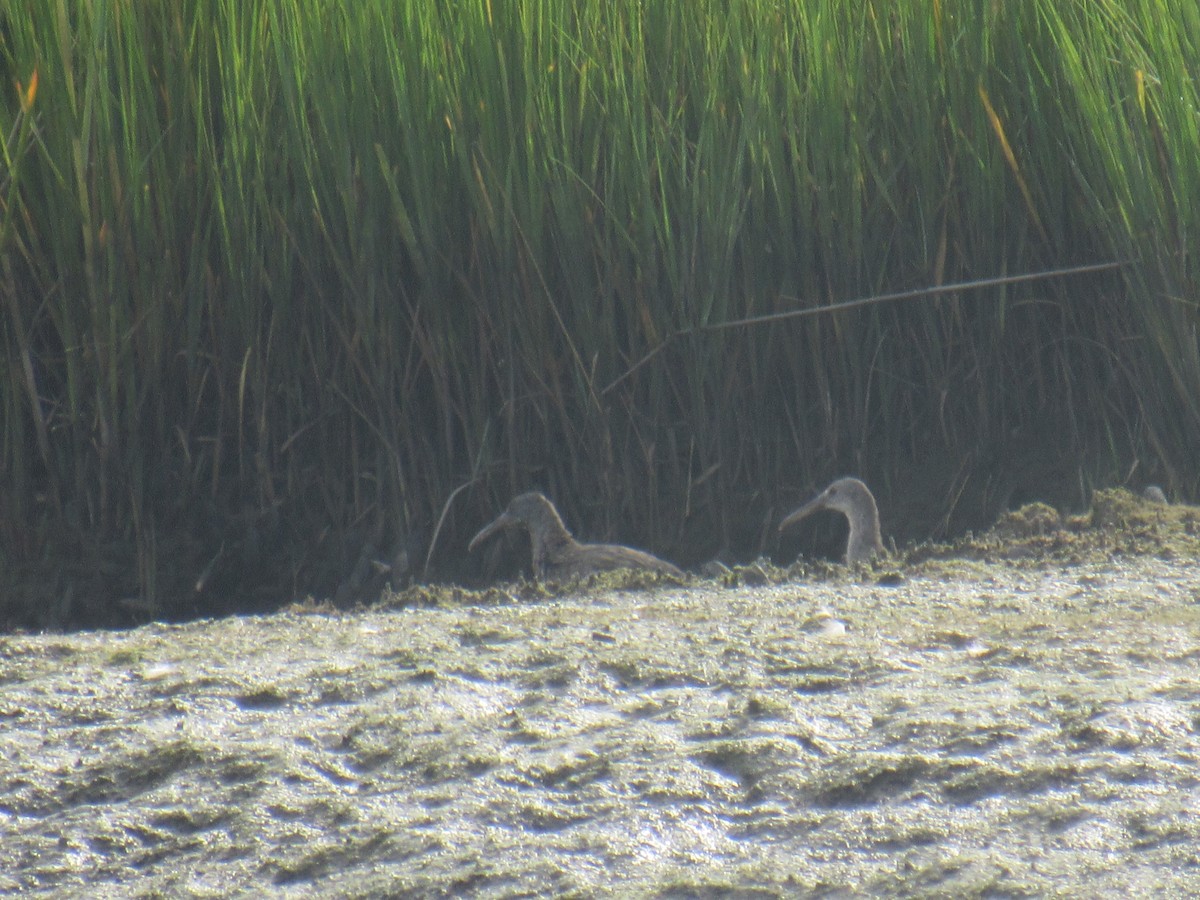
[{"x": 1012, "y": 717}]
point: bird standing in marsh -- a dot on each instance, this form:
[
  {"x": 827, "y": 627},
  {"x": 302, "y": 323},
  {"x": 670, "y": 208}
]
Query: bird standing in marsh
[
  {"x": 556, "y": 553},
  {"x": 855, "y": 500}
]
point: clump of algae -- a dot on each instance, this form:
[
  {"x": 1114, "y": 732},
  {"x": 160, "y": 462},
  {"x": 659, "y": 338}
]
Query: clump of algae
[
  {"x": 450, "y": 596},
  {"x": 1119, "y": 523}
]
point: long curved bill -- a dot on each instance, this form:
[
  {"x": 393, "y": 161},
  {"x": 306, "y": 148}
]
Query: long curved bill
[
  {"x": 817, "y": 502},
  {"x": 504, "y": 520}
]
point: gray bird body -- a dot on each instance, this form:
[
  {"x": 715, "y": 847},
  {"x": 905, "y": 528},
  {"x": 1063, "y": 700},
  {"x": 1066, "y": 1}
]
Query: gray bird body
[
  {"x": 854, "y": 499},
  {"x": 556, "y": 554}
]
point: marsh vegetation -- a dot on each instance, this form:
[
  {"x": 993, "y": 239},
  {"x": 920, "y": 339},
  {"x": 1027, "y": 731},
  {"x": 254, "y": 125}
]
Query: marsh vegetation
[{"x": 294, "y": 288}]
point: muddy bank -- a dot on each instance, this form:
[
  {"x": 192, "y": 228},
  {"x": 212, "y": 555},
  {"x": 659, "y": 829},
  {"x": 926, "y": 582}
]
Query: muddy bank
[{"x": 963, "y": 724}]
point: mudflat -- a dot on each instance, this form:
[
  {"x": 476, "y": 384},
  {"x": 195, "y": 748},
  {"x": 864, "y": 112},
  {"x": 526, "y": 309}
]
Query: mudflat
[{"x": 1016, "y": 715}]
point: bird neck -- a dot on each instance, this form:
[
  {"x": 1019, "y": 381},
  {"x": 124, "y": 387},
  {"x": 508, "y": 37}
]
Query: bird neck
[
  {"x": 549, "y": 538},
  {"x": 865, "y": 540}
]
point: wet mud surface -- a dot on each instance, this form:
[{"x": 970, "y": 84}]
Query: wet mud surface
[{"x": 1015, "y": 721}]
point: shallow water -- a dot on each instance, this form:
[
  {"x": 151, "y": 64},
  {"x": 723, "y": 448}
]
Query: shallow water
[{"x": 1014, "y": 732}]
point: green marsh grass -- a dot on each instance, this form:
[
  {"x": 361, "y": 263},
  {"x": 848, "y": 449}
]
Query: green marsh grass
[{"x": 279, "y": 279}]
